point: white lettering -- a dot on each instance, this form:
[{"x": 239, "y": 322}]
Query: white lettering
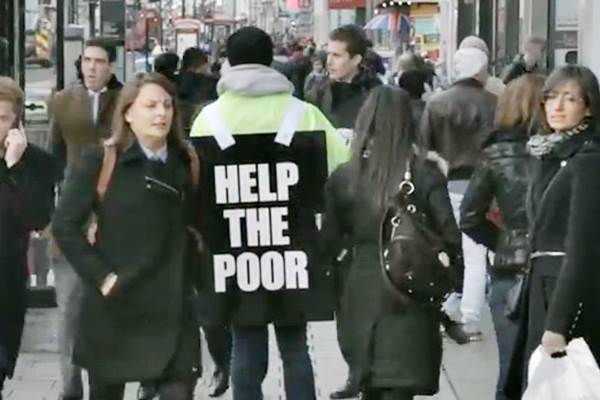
[
  {"x": 224, "y": 267},
  {"x": 279, "y": 225},
  {"x": 247, "y": 183},
  {"x": 257, "y": 227},
  {"x": 264, "y": 184},
  {"x": 226, "y": 184},
  {"x": 296, "y": 274},
  {"x": 287, "y": 176},
  {"x": 248, "y": 272},
  {"x": 234, "y": 216},
  {"x": 272, "y": 270}
]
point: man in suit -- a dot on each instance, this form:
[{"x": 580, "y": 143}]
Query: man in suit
[{"x": 81, "y": 117}]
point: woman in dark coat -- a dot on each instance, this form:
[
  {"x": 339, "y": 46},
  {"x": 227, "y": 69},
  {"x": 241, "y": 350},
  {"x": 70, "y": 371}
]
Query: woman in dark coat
[
  {"x": 560, "y": 301},
  {"x": 26, "y": 200},
  {"x": 397, "y": 349},
  {"x": 136, "y": 321},
  {"x": 501, "y": 179}
]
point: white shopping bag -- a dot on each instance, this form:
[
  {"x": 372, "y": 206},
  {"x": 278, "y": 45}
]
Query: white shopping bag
[{"x": 573, "y": 377}]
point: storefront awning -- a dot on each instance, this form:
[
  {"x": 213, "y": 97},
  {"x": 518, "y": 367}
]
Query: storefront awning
[{"x": 382, "y": 22}]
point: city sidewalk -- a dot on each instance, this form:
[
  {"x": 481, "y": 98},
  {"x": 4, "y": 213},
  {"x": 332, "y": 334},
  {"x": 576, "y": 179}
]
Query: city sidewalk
[{"x": 470, "y": 369}]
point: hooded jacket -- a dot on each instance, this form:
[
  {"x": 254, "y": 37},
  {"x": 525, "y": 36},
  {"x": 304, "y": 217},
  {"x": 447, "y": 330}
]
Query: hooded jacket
[{"x": 253, "y": 99}]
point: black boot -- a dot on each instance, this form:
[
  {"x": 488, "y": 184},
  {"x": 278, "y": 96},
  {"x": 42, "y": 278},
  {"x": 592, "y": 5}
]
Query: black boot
[
  {"x": 455, "y": 331},
  {"x": 220, "y": 383},
  {"x": 147, "y": 390},
  {"x": 349, "y": 391}
]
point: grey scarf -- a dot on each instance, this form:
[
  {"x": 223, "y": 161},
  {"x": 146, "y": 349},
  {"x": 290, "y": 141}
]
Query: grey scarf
[{"x": 542, "y": 144}]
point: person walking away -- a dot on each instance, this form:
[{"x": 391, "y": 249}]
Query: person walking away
[
  {"x": 493, "y": 84},
  {"x": 318, "y": 72},
  {"x": 397, "y": 347},
  {"x": 414, "y": 83},
  {"x": 559, "y": 301},
  {"x": 136, "y": 321},
  {"x": 455, "y": 124},
  {"x": 196, "y": 86},
  {"x": 500, "y": 180},
  {"x": 81, "y": 117},
  {"x": 27, "y": 178},
  {"x": 532, "y": 60},
  {"x": 253, "y": 101},
  {"x": 167, "y": 64}
]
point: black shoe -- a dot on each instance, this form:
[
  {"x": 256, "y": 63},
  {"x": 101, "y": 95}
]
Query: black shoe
[
  {"x": 455, "y": 331},
  {"x": 349, "y": 391},
  {"x": 147, "y": 391},
  {"x": 61, "y": 397},
  {"x": 220, "y": 384}
]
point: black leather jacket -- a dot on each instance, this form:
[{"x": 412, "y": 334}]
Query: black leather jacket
[
  {"x": 455, "y": 124},
  {"x": 501, "y": 177}
]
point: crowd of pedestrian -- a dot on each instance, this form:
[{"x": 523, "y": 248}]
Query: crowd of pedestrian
[{"x": 498, "y": 177}]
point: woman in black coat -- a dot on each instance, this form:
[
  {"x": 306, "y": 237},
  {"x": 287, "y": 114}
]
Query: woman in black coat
[
  {"x": 396, "y": 348},
  {"x": 26, "y": 200},
  {"x": 500, "y": 180},
  {"x": 136, "y": 321},
  {"x": 561, "y": 293}
]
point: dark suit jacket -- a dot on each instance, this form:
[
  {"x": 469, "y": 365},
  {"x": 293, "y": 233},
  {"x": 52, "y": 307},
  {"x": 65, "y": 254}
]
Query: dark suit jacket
[
  {"x": 26, "y": 200},
  {"x": 72, "y": 128}
]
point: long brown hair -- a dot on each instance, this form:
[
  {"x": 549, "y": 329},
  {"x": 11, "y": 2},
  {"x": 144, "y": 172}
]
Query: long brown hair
[
  {"x": 122, "y": 135},
  {"x": 384, "y": 140},
  {"x": 518, "y": 105}
]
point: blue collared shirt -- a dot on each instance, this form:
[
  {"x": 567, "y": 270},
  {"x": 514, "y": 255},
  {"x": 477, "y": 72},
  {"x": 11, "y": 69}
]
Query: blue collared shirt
[{"x": 160, "y": 155}]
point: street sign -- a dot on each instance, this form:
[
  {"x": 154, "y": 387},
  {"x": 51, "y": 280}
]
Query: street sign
[{"x": 112, "y": 17}]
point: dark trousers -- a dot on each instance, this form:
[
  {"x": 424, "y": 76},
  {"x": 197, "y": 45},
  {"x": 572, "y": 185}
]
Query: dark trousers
[
  {"x": 166, "y": 390},
  {"x": 387, "y": 394},
  {"x": 2, "y": 379},
  {"x": 342, "y": 269},
  {"x": 251, "y": 357},
  {"x": 506, "y": 330},
  {"x": 219, "y": 343}
]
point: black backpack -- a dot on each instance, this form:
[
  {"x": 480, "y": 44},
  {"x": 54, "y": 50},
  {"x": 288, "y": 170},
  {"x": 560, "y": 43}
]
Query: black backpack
[{"x": 415, "y": 266}]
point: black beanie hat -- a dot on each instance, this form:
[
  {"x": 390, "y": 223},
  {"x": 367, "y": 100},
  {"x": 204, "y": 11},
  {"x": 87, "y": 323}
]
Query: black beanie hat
[{"x": 249, "y": 45}]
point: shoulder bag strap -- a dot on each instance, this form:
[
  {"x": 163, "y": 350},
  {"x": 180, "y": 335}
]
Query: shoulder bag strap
[
  {"x": 108, "y": 165},
  {"x": 194, "y": 165}
]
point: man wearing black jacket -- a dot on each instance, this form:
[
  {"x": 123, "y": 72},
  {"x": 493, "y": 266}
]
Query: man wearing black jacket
[
  {"x": 341, "y": 95},
  {"x": 26, "y": 198}
]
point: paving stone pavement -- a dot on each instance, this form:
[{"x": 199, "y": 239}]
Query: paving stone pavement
[{"x": 471, "y": 369}]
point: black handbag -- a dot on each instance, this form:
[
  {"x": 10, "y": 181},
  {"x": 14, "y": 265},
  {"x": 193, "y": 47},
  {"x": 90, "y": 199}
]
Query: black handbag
[
  {"x": 414, "y": 264},
  {"x": 512, "y": 251}
]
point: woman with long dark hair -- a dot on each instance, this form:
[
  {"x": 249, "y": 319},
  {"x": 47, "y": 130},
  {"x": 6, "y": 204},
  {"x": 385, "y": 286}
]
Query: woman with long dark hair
[
  {"x": 561, "y": 297},
  {"x": 396, "y": 348},
  {"x": 500, "y": 180},
  {"x": 136, "y": 321}
]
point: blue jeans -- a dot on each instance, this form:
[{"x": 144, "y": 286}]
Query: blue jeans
[
  {"x": 251, "y": 358},
  {"x": 506, "y": 330}
]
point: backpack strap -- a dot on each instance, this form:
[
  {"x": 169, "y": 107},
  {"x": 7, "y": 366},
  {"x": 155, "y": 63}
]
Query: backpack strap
[
  {"x": 290, "y": 122},
  {"x": 194, "y": 165},
  {"x": 220, "y": 131},
  {"x": 108, "y": 165}
]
